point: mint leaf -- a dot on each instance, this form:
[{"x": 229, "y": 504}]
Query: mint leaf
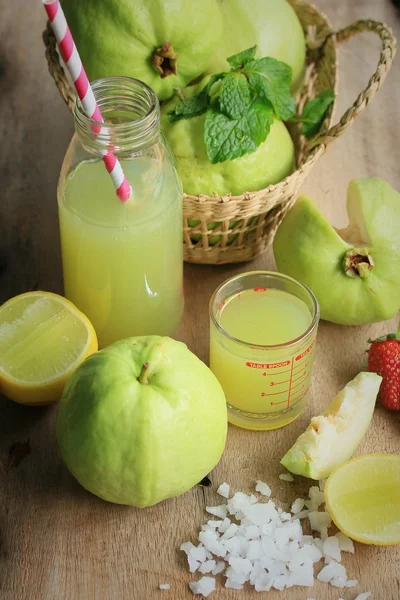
[
  {"x": 259, "y": 119},
  {"x": 196, "y": 105},
  {"x": 227, "y": 139},
  {"x": 235, "y": 95},
  {"x": 237, "y": 61},
  {"x": 192, "y": 107},
  {"x": 213, "y": 79},
  {"x": 314, "y": 113},
  {"x": 271, "y": 79}
]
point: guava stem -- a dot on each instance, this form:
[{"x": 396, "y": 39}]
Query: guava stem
[
  {"x": 165, "y": 61},
  {"x": 180, "y": 94},
  {"x": 143, "y": 377},
  {"x": 358, "y": 263}
]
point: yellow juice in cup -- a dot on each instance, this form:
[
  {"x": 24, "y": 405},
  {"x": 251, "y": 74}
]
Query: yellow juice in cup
[
  {"x": 122, "y": 263},
  {"x": 261, "y": 346}
]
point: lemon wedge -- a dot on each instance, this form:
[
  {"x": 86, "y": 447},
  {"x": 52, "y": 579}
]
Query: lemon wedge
[
  {"x": 43, "y": 338},
  {"x": 363, "y": 498}
]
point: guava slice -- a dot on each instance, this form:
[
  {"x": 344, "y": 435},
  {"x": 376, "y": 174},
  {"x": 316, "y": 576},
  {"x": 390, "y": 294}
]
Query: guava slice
[
  {"x": 354, "y": 272},
  {"x": 332, "y": 438}
]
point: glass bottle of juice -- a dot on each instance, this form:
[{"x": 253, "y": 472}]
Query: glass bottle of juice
[{"x": 122, "y": 262}]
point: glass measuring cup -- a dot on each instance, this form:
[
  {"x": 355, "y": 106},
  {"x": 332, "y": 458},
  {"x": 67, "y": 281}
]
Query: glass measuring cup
[{"x": 266, "y": 379}]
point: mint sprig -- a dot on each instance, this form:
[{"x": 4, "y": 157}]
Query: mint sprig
[
  {"x": 197, "y": 104},
  {"x": 234, "y": 137},
  {"x": 314, "y": 113},
  {"x": 239, "y": 116},
  {"x": 235, "y": 97},
  {"x": 271, "y": 79},
  {"x": 237, "y": 61}
]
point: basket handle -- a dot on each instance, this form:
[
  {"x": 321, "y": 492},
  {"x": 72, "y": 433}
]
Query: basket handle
[
  {"x": 56, "y": 70},
  {"x": 388, "y": 51}
]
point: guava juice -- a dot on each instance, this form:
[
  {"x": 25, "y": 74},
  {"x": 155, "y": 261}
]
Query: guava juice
[
  {"x": 260, "y": 358},
  {"x": 123, "y": 263}
]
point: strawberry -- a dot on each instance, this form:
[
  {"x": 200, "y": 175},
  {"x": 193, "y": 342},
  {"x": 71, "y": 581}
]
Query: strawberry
[{"x": 384, "y": 359}]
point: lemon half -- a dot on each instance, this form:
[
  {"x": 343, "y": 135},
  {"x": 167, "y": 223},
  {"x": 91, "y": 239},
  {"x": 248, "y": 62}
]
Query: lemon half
[
  {"x": 43, "y": 338},
  {"x": 363, "y": 498}
]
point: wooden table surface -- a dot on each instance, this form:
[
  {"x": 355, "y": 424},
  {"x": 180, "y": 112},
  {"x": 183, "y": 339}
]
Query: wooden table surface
[{"x": 58, "y": 542}]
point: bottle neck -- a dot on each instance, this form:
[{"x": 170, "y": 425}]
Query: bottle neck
[{"x": 131, "y": 114}]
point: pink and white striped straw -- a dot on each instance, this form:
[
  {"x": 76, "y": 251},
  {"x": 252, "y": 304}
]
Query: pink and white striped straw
[{"x": 74, "y": 65}]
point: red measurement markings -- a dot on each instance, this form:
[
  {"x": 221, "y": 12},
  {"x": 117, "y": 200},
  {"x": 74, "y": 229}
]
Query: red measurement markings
[
  {"x": 276, "y": 403},
  {"x": 301, "y": 395},
  {"x": 301, "y": 366},
  {"x": 272, "y": 383},
  {"x": 264, "y": 366},
  {"x": 221, "y": 306},
  {"x": 306, "y": 351},
  {"x": 265, "y": 394},
  {"x": 260, "y": 289},
  {"x": 302, "y": 376},
  {"x": 300, "y": 383},
  {"x": 273, "y": 374},
  {"x": 290, "y": 383}
]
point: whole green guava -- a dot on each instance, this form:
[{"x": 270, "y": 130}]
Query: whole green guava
[
  {"x": 271, "y": 24},
  {"x": 141, "y": 421},
  {"x": 164, "y": 44},
  {"x": 273, "y": 160}
]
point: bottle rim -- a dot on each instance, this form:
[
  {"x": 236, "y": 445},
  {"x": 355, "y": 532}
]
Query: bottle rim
[{"x": 138, "y": 125}]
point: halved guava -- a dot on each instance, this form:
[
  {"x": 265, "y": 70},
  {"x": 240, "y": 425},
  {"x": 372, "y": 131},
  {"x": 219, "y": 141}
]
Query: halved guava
[{"x": 353, "y": 272}]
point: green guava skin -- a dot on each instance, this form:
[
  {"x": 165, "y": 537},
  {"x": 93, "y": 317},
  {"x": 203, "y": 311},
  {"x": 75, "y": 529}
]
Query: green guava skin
[
  {"x": 273, "y": 160},
  {"x": 118, "y": 37},
  {"x": 271, "y": 24},
  {"x": 270, "y": 163},
  {"x": 308, "y": 248},
  {"x": 332, "y": 438},
  {"x": 138, "y": 443}
]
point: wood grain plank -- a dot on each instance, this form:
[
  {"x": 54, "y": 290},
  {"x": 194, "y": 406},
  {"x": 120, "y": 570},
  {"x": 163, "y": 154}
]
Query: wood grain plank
[{"x": 57, "y": 542}]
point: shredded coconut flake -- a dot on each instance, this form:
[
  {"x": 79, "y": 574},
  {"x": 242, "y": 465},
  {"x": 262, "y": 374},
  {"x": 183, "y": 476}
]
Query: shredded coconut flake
[
  {"x": 345, "y": 543},
  {"x": 331, "y": 548},
  {"x": 208, "y": 566},
  {"x": 219, "y": 567},
  {"x": 265, "y": 546},
  {"x": 204, "y": 587},
  {"x": 164, "y": 586},
  {"x": 223, "y": 490},
  {"x": 297, "y": 505},
  {"x": 332, "y": 571},
  {"x": 363, "y": 596},
  {"x": 286, "y": 477},
  {"x": 263, "y": 488},
  {"x": 198, "y": 553},
  {"x": 218, "y": 511}
]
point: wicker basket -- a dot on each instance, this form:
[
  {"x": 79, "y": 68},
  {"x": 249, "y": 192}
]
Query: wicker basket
[{"x": 247, "y": 223}]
